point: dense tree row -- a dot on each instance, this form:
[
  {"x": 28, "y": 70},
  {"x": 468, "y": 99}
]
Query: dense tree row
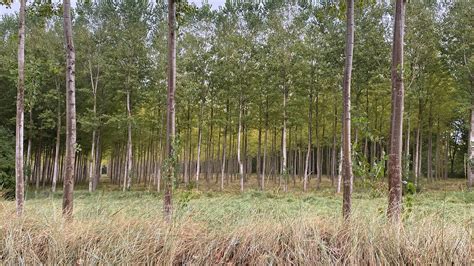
[{"x": 258, "y": 92}]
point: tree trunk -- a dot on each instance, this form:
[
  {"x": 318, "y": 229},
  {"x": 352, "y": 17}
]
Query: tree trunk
[
  {"x": 210, "y": 149},
  {"x": 127, "y": 182},
  {"x": 346, "y": 124},
  {"x": 239, "y": 161},
  {"x": 470, "y": 170},
  {"x": 417, "y": 154},
  {"x": 198, "y": 161},
  {"x": 283, "y": 143},
  {"x": 430, "y": 148},
  {"x": 396, "y": 128},
  {"x": 265, "y": 138},
  {"x": 187, "y": 145},
  {"x": 308, "y": 151},
  {"x": 171, "y": 117},
  {"x": 94, "y": 112},
  {"x": 339, "y": 172},
  {"x": 334, "y": 148},
  {"x": 20, "y": 114},
  {"x": 224, "y": 146},
  {"x": 28, "y": 150},
  {"x": 70, "y": 112},
  {"x": 438, "y": 163},
  {"x": 98, "y": 160},
  {"x": 259, "y": 150},
  {"x": 92, "y": 162},
  {"x": 407, "y": 148},
  {"x": 58, "y": 143}
]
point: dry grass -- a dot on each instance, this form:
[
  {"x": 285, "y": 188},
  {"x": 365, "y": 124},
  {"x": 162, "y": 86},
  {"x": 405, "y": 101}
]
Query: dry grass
[{"x": 253, "y": 228}]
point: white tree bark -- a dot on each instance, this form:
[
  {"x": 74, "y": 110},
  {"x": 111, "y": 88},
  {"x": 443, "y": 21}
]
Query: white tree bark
[
  {"x": 58, "y": 142},
  {"x": 93, "y": 158},
  {"x": 283, "y": 144},
  {"x": 68, "y": 183},
  {"x": 470, "y": 170},
  {"x": 128, "y": 164},
  {"x": 239, "y": 160},
  {"x": 20, "y": 114},
  {"x": 346, "y": 121}
]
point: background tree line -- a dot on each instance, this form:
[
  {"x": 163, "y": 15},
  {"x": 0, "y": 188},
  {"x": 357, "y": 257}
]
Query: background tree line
[{"x": 259, "y": 92}]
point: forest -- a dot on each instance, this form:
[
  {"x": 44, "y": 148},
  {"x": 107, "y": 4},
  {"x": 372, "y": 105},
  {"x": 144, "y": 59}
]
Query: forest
[{"x": 248, "y": 132}]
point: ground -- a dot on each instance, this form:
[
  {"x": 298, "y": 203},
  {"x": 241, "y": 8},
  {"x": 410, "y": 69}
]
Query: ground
[{"x": 270, "y": 227}]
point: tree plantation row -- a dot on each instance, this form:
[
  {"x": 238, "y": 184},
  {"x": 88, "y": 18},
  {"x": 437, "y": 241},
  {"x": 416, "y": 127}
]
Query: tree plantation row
[{"x": 165, "y": 95}]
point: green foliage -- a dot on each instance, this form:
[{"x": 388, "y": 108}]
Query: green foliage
[
  {"x": 7, "y": 160},
  {"x": 363, "y": 169},
  {"x": 409, "y": 191},
  {"x": 170, "y": 164},
  {"x": 243, "y": 54},
  {"x": 410, "y": 188}
]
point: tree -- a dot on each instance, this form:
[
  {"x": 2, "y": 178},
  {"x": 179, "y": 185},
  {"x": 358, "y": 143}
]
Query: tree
[
  {"x": 170, "y": 118},
  {"x": 19, "y": 171},
  {"x": 458, "y": 44},
  {"x": 396, "y": 128},
  {"x": 347, "y": 153},
  {"x": 70, "y": 112}
]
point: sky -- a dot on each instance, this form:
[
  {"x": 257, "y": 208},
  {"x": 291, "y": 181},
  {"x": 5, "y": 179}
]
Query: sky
[{"x": 16, "y": 6}]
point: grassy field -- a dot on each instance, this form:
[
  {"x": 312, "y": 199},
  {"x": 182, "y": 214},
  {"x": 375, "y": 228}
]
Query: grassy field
[{"x": 113, "y": 227}]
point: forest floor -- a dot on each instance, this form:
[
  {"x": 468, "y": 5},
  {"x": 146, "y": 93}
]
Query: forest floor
[{"x": 254, "y": 227}]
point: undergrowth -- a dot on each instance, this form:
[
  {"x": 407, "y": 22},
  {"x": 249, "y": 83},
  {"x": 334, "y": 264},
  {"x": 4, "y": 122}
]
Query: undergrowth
[{"x": 229, "y": 228}]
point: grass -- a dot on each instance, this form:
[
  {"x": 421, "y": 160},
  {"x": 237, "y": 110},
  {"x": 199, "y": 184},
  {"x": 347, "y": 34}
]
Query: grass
[{"x": 209, "y": 227}]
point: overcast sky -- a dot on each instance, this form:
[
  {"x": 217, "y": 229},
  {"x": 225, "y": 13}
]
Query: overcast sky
[{"x": 15, "y": 7}]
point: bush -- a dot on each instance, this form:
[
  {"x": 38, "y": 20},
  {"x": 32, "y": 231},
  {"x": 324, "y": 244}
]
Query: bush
[{"x": 7, "y": 162}]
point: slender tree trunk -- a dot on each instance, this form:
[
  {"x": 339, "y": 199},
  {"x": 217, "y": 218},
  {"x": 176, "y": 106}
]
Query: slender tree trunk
[
  {"x": 339, "y": 172},
  {"x": 187, "y": 145},
  {"x": 58, "y": 143},
  {"x": 245, "y": 140},
  {"x": 70, "y": 113},
  {"x": 239, "y": 133},
  {"x": 265, "y": 138},
  {"x": 308, "y": 151},
  {"x": 430, "y": 148},
  {"x": 407, "y": 147},
  {"x": 94, "y": 112},
  {"x": 259, "y": 150},
  {"x": 438, "y": 163},
  {"x": 283, "y": 143},
  {"x": 20, "y": 114},
  {"x": 224, "y": 146},
  {"x": 198, "y": 161},
  {"x": 159, "y": 163},
  {"x": 396, "y": 129},
  {"x": 92, "y": 162},
  {"x": 29, "y": 165},
  {"x": 37, "y": 166},
  {"x": 210, "y": 149},
  {"x": 98, "y": 160},
  {"x": 171, "y": 118},
  {"x": 127, "y": 182},
  {"x": 347, "y": 153},
  {"x": 334, "y": 148},
  {"x": 470, "y": 170},
  {"x": 420, "y": 158},
  {"x": 417, "y": 154}
]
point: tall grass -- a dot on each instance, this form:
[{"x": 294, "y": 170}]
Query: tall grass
[{"x": 253, "y": 228}]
